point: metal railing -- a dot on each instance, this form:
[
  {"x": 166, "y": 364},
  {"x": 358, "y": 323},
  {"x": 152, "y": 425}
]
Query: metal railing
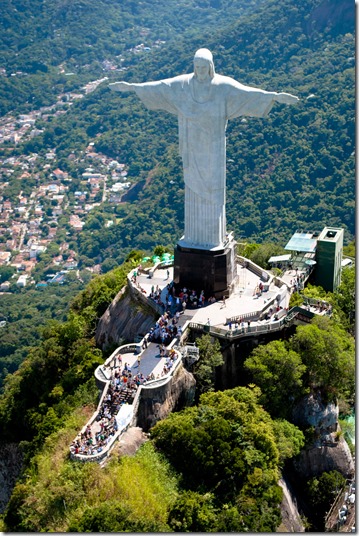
[
  {"x": 253, "y": 315},
  {"x": 101, "y": 370},
  {"x": 151, "y": 384},
  {"x": 296, "y": 313}
]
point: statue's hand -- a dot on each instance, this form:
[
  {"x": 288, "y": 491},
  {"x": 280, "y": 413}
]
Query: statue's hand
[
  {"x": 120, "y": 86},
  {"x": 286, "y": 98}
]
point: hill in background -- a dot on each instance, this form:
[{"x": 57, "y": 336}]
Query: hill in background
[{"x": 292, "y": 170}]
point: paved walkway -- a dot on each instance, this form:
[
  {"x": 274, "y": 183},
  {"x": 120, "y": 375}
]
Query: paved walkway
[{"x": 242, "y": 301}]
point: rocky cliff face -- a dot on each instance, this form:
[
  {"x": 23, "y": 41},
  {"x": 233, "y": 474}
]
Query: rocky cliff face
[
  {"x": 10, "y": 467},
  {"x": 157, "y": 403},
  {"x": 329, "y": 450},
  {"x": 291, "y": 520},
  {"x": 125, "y": 319}
]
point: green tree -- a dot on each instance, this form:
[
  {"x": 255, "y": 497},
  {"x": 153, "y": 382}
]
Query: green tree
[
  {"x": 6, "y": 272},
  {"x": 290, "y": 440},
  {"x": 227, "y": 446},
  {"x": 350, "y": 249},
  {"x": 261, "y": 254},
  {"x": 278, "y": 371},
  {"x": 247, "y": 249},
  {"x": 159, "y": 250},
  {"x": 210, "y": 357},
  {"x": 217, "y": 444},
  {"x": 345, "y": 296},
  {"x": 135, "y": 255},
  {"x": 322, "y": 492},
  {"x": 108, "y": 265},
  {"x": 328, "y": 353},
  {"x": 93, "y": 223},
  {"x": 296, "y": 299},
  {"x": 193, "y": 512},
  {"x": 112, "y": 516}
]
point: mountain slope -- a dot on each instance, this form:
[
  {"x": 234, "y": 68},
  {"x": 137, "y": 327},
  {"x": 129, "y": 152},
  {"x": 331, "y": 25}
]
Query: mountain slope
[
  {"x": 294, "y": 169},
  {"x": 41, "y": 42}
]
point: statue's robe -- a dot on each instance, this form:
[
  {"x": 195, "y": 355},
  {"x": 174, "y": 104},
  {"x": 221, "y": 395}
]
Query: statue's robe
[{"x": 203, "y": 109}]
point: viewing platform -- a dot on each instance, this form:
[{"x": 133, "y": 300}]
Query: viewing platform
[
  {"x": 257, "y": 297},
  {"x": 257, "y": 304}
]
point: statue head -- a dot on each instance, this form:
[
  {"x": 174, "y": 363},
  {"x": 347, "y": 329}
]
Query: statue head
[{"x": 203, "y": 57}]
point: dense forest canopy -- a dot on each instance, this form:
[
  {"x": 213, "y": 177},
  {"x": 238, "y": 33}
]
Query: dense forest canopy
[
  {"x": 49, "y": 47},
  {"x": 292, "y": 170}
]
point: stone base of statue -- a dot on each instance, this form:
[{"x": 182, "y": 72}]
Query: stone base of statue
[{"x": 212, "y": 270}]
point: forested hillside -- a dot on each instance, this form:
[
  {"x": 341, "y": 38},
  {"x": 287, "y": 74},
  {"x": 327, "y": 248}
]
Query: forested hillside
[
  {"x": 294, "y": 169},
  {"x": 213, "y": 467},
  {"x": 49, "y": 47}
]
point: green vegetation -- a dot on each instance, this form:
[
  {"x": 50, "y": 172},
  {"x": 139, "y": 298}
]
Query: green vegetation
[
  {"x": 39, "y": 395},
  {"x": 347, "y": 426},
  {"x": 327, "y": 351},
  {"x": 321, "y": 492},
  {"x": 260, "y": 253},
  {"x": 220, "y": 460},
  {"x": 210, "y": 357},
  {"x": 278, "y": 371},
  {"x": 345, "y": 298},
  {"x": 50, "y": 49},
  {"x": 349, "y": 249},
  {"x": 294, "y": 169},
  {"x": 228, "y": 455},
  {"x": 225, "y": 453},
  {"x": 59, "y": 495},
  {"x": 319, "y": 355},
  {"x": 215, "y": 466},
  {"x": 24, "y": 324}
]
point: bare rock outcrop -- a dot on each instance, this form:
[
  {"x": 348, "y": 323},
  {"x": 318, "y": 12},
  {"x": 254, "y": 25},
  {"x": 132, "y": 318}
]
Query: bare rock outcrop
[
  {"x": 131, "y": 441},
  {"x": 158, "y": 402},
  {"x": 124, "y": 319},
  {"x": 10, "y": 467},
  {"x": 329, "y": 451},
  {"x": 291, "y": 520}
]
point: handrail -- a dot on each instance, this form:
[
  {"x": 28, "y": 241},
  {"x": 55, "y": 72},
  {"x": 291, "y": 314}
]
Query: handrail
[
  {"x": 165, "y": 378},
  {"x": 275, "y": 325},
  {"x": 254, "y": 315},
  {"x": 254, "y": 268},
  {"x": 338, "y": 499},
  {"x": 135, "y": 290},
  {"x": 151, "y": 384}
]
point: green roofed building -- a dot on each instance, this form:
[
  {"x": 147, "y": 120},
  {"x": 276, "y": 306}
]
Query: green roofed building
[
  {"x": 328, "y": 255},
  {"x": 320, "y": 253}
]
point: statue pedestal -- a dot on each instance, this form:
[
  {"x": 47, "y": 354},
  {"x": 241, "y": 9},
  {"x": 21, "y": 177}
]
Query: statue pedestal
[{"x": 211, "y": 270}]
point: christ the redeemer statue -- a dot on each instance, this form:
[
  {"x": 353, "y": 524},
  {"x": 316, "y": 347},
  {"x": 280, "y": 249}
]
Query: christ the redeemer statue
[{"x": 203, "y": 102}]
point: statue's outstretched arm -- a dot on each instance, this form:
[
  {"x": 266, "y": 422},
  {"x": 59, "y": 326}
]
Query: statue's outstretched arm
[
  {"x": 122, "y": 86},
  {"x": 285, "y": 98}
]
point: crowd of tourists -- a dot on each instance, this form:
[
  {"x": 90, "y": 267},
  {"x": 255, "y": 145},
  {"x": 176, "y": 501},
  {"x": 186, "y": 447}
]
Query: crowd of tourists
[
  {"x": 165, "y": 329},
  {"x": 186, "y": 298},
  {"x": 178, "y": 301},
  {"x": 124, "y": 383},
  {"x": 88, "y": 443},
  {"x": 121, "y": 390}
]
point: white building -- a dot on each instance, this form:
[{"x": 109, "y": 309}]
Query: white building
[
  {"x": 22, "y": 281},
  {"x": 35, "y": 250}
]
